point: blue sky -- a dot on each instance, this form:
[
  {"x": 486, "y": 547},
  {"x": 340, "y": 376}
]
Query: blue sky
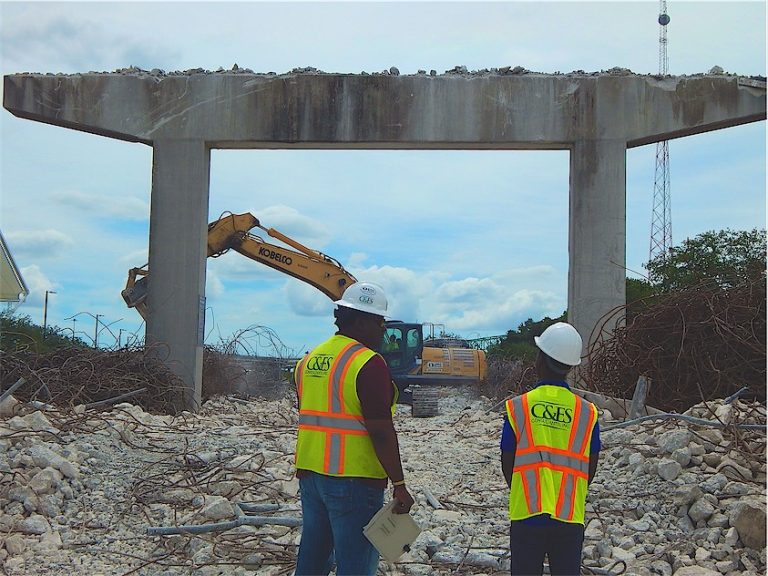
[{"x": 473, "y": 240}]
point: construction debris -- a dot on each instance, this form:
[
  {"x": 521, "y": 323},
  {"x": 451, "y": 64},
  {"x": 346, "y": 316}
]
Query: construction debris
[
  {"x": 693, "y": 345},
  {"x": 72, "y": 376},
  {"x": 118, "y": 490}
]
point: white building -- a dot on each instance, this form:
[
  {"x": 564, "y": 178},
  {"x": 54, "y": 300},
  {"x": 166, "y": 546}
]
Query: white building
[{"x": 13, "y": 289}]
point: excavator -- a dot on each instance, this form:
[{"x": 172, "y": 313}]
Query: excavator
[{"x": 411, "y": 359}]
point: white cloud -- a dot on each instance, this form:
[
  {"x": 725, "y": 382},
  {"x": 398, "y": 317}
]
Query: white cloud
[
  {"x": 356, "y": 260},
  {"x": 38, "y": 283},
  {"x": 492, "y": 304},
  {"x": 104, "y": 205},
  {"x": 509, "y": 311},
  {"x": 46, "y": 244},
  {"x": 305, "y": 300},
  {"x": 293, "y": 224},
  {"x": 214, "y": 287},
  {"x": 63, "y": 35},
  {"x": 135, "y": 258},
  {"x": 474, "y": 240}
]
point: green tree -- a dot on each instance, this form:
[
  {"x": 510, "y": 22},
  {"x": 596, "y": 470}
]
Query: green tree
[
  {"x": 637, "y": 292},
  {"x": 728, "y": 257},
  {"x": 20, "y": 333},
  {"x": 638, "y": 289},
  {"x": 518, "y": 344}
]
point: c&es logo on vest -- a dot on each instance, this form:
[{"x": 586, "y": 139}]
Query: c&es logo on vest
[
  {"x": 319, "y": 363},
  {"x": 551, "y": 415}
]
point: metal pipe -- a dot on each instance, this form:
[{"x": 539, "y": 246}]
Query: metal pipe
[
  {"x": 115, "y": 399},
  {"x": 699, "y": 421},
  {"x": 12, "y": 389},
  {"x": 221, "y": 526}
]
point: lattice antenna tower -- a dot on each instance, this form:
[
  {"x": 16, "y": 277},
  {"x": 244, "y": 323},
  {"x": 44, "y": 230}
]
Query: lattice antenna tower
[{"x": 661, "y": 222}]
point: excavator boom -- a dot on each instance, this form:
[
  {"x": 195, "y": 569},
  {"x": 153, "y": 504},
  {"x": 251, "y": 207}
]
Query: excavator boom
[
  {"x": 233, "y": 232},
  {"x": 411, "y": 360}
]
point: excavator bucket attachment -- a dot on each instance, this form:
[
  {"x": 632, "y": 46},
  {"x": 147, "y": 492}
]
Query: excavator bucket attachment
[{"x": 136, "y": 294}]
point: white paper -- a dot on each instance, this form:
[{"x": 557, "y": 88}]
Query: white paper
[{"x": 391, "y": 533}]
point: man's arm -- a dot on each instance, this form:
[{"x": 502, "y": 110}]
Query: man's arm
[
  {"x": 374, "y": 388},
  {"x": 508, "y": 448},
  {"x": 507, "y": 465},
  {"x": 593, "y": 457},
  {"x": 387, "y": 449},
  {"x": 594, "y": 452}
]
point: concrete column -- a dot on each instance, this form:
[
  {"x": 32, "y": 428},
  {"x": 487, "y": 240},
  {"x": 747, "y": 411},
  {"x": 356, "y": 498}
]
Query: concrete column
[
  {"x": 178, "y": 232},
  {"x": 597, "y": 233}
]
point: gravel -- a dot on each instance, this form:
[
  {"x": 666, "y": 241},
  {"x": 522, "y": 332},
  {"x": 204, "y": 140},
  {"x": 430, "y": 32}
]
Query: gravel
[{"x": 80, "y": 488}]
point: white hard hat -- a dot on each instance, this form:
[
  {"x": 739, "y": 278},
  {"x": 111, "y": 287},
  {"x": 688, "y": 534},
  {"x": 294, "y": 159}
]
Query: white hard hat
[
  {"x": 561, "y": 342},
  {"x": 365, "y": 297}
]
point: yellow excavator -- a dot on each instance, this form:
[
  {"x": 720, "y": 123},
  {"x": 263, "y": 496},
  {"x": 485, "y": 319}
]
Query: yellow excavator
[
  {"x": 232, "y": 232},
  {"x": 411, "y": 359}
]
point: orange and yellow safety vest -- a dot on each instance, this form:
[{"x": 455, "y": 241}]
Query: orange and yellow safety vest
[
  {"x": 332, "y": 438},
  {"x": 553, "y": 427}
]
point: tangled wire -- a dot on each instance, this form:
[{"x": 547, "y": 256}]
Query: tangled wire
[
  {"x": 694, "y": 345},
  {"x": 71, "y": 376},
  {"x": 506, "y": 376}
]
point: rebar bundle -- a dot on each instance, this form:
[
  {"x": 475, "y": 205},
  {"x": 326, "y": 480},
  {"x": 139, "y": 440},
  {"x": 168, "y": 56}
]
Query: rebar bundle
[
  {"x": 695, "y": 345},
  {"x": 72, "y": 376}
]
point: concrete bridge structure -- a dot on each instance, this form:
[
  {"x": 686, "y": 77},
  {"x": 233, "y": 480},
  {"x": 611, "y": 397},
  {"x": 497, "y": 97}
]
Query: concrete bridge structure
[{"x": 597, "y": 117}]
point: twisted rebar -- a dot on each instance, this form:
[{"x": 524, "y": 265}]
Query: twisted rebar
[{"x": 695, "y": 345}]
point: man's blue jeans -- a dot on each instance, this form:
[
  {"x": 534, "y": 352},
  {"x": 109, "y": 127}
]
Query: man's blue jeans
[{"x": 334, "y": 512}]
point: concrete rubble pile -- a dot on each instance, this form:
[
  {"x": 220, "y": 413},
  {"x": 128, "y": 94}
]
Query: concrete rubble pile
[{"x": 104, "y": 492}]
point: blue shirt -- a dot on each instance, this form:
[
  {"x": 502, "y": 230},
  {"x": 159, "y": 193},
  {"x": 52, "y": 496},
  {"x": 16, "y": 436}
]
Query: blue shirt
[{"x": 509, "y": 444}]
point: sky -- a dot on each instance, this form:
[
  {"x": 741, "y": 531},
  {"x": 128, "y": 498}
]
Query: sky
[{"x": 473, "y": 242}]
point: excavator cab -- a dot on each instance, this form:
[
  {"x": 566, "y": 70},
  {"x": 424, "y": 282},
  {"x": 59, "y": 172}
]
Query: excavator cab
[
  {"x": 401, "y": 346},
  {"x": 414, "y": 361}
]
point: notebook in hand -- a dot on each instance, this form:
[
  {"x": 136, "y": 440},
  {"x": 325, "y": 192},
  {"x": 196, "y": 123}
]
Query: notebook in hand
[{"x": 391, "y": 534}]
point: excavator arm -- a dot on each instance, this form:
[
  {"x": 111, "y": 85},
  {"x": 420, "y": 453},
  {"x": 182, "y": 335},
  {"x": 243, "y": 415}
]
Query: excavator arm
[{"x": 233, "y": 232}]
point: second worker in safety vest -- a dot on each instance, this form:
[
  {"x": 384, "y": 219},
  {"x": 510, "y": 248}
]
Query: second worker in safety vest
[
  {"x": 549, "y": 450},
  {"x": 347, "y": 448}
]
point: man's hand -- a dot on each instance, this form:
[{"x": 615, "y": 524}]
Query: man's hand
[{"x": 404, "y": 500}]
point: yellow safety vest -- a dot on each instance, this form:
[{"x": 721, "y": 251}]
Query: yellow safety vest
[
  {"x": 332, "y": 438},
  {"x": 553, "y": 427}
]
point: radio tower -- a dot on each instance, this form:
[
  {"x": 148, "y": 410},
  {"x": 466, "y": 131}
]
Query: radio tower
[{"x": 661, "y": 222}]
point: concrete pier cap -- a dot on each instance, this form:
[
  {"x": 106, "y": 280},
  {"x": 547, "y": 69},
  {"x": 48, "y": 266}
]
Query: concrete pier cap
[{"x": 183, "y": 115}]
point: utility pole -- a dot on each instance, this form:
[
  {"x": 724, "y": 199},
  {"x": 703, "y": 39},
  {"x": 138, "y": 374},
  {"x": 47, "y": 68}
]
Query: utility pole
[
  {"x": 661, "y": 221},
  {"x": 96, "y": 332},
  {"x": 45, "y": 311}
]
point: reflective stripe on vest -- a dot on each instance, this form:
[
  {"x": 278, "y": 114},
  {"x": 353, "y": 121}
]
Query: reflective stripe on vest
[
  {"x": 298, "y": 373},
  {"x": 330, "y": 422},
  {"x": 331, "y": 425},
  {"x": 566, "y": 468}
]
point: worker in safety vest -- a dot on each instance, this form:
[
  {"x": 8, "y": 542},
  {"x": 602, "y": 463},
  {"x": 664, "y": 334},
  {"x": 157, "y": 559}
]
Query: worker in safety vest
[
  {"x": 392, "y": 344},
  {"x": 347, "y": 449},
  {"x": 549, "y": 451}
]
